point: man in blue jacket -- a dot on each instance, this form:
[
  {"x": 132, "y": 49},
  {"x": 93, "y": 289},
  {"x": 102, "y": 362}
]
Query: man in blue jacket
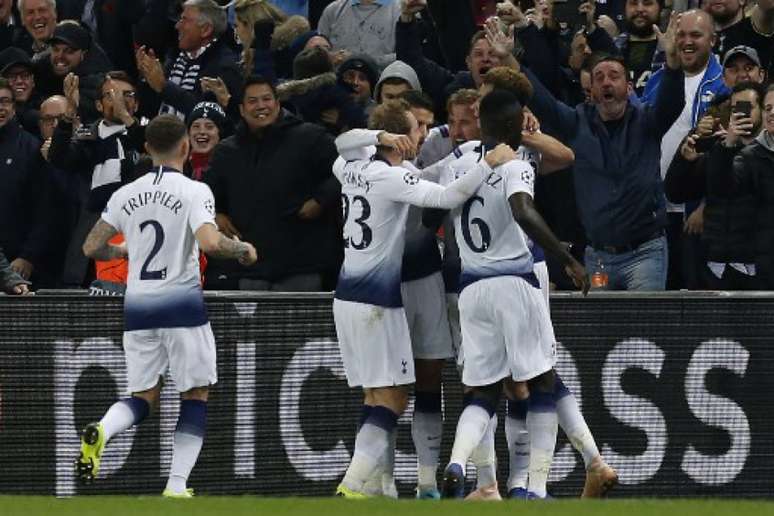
[
  {"x": 703, "y": 82},
  {"x": 618, "y": 186}
]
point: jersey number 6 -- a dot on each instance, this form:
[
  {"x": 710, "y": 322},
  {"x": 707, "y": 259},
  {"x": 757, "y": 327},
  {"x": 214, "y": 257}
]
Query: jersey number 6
[{"x": 483, "y": 229}]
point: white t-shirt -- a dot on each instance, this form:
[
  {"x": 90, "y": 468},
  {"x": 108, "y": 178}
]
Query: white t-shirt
[
  {"x": 491, "y": 243},
  {"x": 158, "y": 215},
  {"x": 679, "y": 130}
]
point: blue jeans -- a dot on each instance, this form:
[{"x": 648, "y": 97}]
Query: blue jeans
[{"x": 645, "y": 268}]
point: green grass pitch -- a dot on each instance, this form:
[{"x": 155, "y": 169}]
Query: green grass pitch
[{"x": 256, "y": 506}]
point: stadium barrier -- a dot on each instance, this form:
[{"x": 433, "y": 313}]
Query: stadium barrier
[{"x": 676, "y": 389}]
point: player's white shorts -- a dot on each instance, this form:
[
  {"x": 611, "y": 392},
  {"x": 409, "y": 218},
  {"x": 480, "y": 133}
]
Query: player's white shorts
[
  {"x": 425, "y": 306},
  {"x": 506, "y": 331},
  {"x": 541, "y": 271},
  {"x": 188, "y": 354},
  {"x": 374, "y": 343}
]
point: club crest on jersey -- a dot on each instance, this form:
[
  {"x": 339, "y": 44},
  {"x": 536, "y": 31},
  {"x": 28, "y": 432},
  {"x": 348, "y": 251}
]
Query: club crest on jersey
[
  {"x": 410, "y": 179},
  {"x": 209, "y": 206}
]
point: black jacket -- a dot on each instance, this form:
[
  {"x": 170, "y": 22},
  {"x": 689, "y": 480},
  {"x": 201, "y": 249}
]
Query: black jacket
[
  {"x": 80, "y": 154},
  {"x": 729, "y": 223},
  {"x": 24, "y": 191},
  {"x": 89, "y": 72},
  {"x": 217, "y": 61},
  {"x": 437, "y": 81},
  {"x": 262, "y": 182},
  {"x": 735, "y": 174}
]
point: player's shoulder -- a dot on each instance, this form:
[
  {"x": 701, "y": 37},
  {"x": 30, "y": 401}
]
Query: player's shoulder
[{"x": 516, "y": 166}]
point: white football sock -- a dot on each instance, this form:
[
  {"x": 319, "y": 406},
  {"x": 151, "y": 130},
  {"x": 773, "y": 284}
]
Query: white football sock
[
  {"x": 542, "y": 425},
  {"x": 470, "y": 430},
  {"x": 484, "y": 456},
  {"x": 574, "y": 425},
  {"x": 517, "y": 437}
]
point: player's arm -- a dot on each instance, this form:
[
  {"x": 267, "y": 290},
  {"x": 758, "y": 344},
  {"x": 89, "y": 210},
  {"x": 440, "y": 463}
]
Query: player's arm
[
  {"x": 523, "y": 209},
  {"x": 216, "y": 244},
  {"x": 425, "y": 194},
  {"x": 97, "y": 245},
  {"x": 555, "y": 154},
  {"x": 361, "y": 143}
]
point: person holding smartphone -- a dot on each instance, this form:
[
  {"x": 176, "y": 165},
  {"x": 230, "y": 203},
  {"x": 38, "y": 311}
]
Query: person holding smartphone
[{"x": 726, "y": 225}]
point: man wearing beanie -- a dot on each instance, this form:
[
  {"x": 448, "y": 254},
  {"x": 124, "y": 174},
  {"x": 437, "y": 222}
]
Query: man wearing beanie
[
  {"x": 205, "y": 127},
  {"x": 360, "y": 72}
]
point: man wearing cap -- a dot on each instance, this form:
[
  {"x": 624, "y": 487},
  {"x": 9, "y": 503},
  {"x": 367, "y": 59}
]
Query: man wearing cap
[
  {"x": 72, "y": 51},
  {"x": 361, "y": 73},
  {"x": 205, "y": 129},
  {"x": 16, "y": 66}
]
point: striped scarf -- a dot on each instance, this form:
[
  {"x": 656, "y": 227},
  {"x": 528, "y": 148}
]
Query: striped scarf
[{"x": 185, "y": 73}]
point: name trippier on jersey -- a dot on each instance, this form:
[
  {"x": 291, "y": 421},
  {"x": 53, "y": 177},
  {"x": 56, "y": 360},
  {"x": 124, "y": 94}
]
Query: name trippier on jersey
[{"x": 158, "y": 197}]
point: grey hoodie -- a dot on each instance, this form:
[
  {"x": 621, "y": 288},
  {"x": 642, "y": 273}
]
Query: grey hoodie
[
  {"x": 766, "y": 140},
  {"x": 400, "y": 70}
]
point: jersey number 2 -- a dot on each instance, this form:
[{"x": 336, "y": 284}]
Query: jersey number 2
[
  {"x": 486, "y": 235},
  {"x": 145, "y": 274},
  {"x": 365, "y": 212}
]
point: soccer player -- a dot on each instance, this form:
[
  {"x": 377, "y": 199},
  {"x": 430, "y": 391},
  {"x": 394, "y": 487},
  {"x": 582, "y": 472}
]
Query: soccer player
[
  {"x": 506, "y": 328},
  {"x": 166, "y": 218},
  {"x": 368, "y": 308}
]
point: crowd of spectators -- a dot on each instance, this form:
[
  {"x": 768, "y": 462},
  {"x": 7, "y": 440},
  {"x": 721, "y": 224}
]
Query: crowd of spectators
[{"x": 666, "y": 107}]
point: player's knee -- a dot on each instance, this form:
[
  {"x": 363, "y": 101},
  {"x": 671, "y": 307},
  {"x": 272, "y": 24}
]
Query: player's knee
[
  {"x": 428, "y": 375},
  {"x": 197, "y": 393},
  {"x": 487, "y": 396},
  {"x": 544, "y": 382}
]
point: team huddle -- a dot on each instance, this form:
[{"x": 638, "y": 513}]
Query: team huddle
[{"x": 401, "y": 309}]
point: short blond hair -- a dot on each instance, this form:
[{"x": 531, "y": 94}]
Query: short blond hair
[
  {"x": 251, "y": 11},
  {"x": 391, "y": 116},
  {"x": 464, "y": 97}
]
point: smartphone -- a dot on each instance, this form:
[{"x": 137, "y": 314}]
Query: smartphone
[
  {"x": 705, "y": 144},
  {"x": 744, "y": 107}
]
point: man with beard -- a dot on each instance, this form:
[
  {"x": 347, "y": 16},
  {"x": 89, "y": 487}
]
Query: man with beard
[
  {"x": 638, "y": 44},
  {"x": 733, "y": 28},
  {"x": 618, "y": 188},
  {"x": 72, "y": 50}
]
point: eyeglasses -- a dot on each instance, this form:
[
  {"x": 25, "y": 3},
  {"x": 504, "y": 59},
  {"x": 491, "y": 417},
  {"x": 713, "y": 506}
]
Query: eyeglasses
[
  {"x": 6, "y": 101},
  {"x": 127, "y": 95}
]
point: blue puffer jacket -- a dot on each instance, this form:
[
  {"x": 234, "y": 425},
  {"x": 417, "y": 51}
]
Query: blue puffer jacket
[{"x": 711, "y": 86}]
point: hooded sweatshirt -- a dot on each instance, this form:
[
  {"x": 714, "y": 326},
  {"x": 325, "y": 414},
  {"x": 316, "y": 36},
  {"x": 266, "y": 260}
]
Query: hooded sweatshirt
[{"x": 400, "y": 70}]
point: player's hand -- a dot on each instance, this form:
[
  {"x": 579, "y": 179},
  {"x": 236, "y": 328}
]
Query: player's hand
[
  {"x": 399, "y": 142},
  {"x": 531, "y": 124},
  {"x": 694, "y": 224},
  {"x": 250, "y": 257},
  {"x": 499, "y": 155},
  {"x": 226, "y": 226},
  {"x": 22, "y": 267},
  {"x": 22, "y": 289},
  {"x": 310, "y": 210},
  {"x": 578, "y": 275}
]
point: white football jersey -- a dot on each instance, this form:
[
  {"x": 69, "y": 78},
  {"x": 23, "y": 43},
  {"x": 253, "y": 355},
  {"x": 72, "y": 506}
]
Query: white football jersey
[
  {"x": 375, "y": 202},
  {"x": 490, "y": 241},
  {"x": 159, "y": 214}
]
